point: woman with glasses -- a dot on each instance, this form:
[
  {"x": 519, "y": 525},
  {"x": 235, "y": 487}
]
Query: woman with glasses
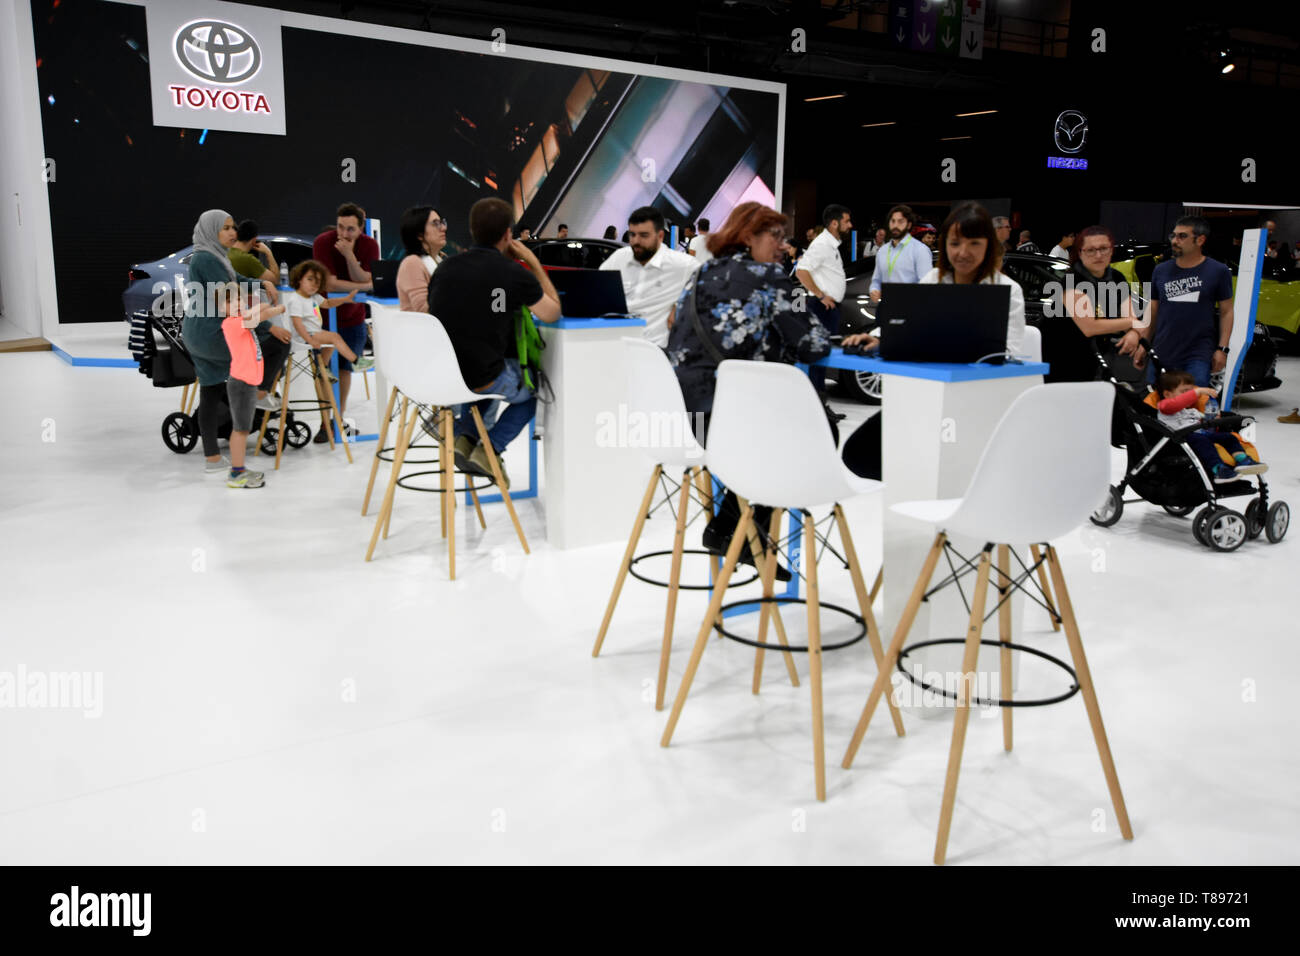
[
  {"x": 741, "y": 304},
  {"x": 1099, "y": 302},
  {"x": 424, "y": 233}
]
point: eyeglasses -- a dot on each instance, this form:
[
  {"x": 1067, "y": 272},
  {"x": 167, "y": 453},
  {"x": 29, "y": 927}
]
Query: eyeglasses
[
  {"x": 1096, "y": 250},
  {"x": 1180, "y": 235},
  {"x": 438, "y": 223}
]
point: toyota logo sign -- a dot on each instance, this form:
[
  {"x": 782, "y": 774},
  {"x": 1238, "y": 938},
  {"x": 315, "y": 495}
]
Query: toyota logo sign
[
  {"x": 1071, "y": 131},
  {"x": 217, "y": 51}
]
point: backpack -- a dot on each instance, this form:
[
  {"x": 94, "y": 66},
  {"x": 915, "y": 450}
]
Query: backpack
[{"x": 529, "y": 346}]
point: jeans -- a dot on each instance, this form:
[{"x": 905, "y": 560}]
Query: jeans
[
  {"x": 355, "y": 337},
  {"x": 1198, "y": 368},
  {"x": 521, "y": 405}
]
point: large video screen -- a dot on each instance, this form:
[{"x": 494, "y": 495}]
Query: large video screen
[{"x": 387, "y": 125}]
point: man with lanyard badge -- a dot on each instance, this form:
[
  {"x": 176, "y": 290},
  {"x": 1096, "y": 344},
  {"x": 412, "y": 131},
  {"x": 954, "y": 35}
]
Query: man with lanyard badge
[{"x": 903, "y": 259}]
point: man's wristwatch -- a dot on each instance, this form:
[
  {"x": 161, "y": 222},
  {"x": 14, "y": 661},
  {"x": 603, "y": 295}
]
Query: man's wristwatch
[
  {"x": 1223, "y": 349},
  {"x": 1145, "y": 343}
]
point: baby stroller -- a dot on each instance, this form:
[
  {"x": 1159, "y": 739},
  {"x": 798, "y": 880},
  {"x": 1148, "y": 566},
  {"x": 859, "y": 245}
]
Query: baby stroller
[
  {"x": 1164, "y": 470},
  {"x": 157, "y": 346}
]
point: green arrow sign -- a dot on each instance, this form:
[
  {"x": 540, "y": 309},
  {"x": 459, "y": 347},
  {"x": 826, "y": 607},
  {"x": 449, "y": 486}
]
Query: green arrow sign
[{"x": 948, "y": 35}]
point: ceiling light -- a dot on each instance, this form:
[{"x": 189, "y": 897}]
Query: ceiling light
[
  {"x": 944, "y": 139},
  {"x": 890, "y": 123},
  {"x": 978, "y": 113},
  {"x": 1229, "y": 68},
  {"x": 833, "y": 96}
]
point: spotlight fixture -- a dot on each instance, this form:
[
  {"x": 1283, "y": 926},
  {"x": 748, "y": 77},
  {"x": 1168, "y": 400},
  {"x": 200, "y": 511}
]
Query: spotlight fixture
[{"x": 1229, "y": 68}]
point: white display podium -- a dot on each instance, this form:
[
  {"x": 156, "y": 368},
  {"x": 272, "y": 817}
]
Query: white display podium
[
  {"x": 593, "y": 479},
  {"x": 937, "y": 420}
]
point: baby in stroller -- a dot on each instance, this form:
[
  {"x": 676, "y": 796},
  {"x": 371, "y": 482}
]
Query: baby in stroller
[{"x": 1182, "y": 404}]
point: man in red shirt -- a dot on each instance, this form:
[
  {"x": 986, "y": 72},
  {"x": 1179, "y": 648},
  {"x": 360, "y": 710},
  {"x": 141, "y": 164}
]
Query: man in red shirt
[{"x": 348, "y": 254}]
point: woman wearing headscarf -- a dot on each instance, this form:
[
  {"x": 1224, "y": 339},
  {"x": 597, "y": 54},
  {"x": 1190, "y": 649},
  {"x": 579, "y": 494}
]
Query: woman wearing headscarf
[{"x": 210, "y": 276}]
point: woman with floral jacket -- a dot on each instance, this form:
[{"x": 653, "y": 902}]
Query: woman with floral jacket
[{"x": 747, "y": 306}]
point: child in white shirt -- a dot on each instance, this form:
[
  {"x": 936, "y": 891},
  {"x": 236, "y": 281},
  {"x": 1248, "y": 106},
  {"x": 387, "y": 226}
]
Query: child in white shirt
[{"x": 303, "y": 307}]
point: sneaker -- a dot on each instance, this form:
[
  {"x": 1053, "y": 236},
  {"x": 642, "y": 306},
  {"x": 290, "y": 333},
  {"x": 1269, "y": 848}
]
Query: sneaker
[
  {"x": 363, "y": 364},
  {"x": 219, "y": 467},
  {"x": 479, "y": 459},
  {"x": 1223, "y": 473},
  {"x": 1292, "y": 419},
  {"x": 321, "y": 437},
  {"x": 717, "y": 543},
  {"x": 269, "y": 403},
  {"x": 462, "y": 449},
  {"x": 245, "y": 479},
  {"x": 1250, "y": 467}
]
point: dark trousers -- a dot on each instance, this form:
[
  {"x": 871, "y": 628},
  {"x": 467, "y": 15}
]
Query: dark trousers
[
  {"x": 274, "y": 352},
  {"x": 1203, "y": 443},
  {"x": 831, "y": 319},
  {"x": 861, "y": 451}
]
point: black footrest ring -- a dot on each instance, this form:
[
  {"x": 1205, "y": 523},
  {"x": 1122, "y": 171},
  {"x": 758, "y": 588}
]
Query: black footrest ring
[
  {"x": 487, "y": 483},
  {"x": 803, "y": 649},
  {"x": 984, "y": 702},
  {"x": 386, "y": 454},
  {"x": 685, "y": 587}
]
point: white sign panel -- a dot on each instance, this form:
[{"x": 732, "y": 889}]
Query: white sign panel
[
  {"x": 216, "y": 66},
  {"x": 1250, "y": 266}
]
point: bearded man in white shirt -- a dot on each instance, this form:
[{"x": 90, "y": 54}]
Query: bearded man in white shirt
[
  {"x": 653, "y": 274},
  {"x": 821, "y": 271}
]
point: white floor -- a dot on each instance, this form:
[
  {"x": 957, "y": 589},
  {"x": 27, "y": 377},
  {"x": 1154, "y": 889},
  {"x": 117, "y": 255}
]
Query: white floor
[{"x": 267, "y": 696}]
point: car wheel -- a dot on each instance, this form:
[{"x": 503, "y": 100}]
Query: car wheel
[
  {"x": 1225, "y": 530},
  {"x": 864, "y": 386},
  {"x": 1255, "y": 518},
  {"x": 1111, "y": 509},
  {"x": 1279, "y": 519},
  {"x": 179, "y": 433}
]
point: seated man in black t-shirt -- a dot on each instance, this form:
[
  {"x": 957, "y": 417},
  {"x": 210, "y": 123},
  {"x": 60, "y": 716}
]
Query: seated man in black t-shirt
[{"x": 477, "y": 296}]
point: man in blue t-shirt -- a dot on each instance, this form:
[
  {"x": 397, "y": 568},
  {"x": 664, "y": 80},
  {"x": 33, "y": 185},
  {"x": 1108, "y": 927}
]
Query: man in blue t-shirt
[{"x": 1184, "y": 293}]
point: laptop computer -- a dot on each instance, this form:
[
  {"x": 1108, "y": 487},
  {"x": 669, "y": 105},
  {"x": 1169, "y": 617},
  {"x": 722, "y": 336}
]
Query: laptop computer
[
  {"x": 943, "y": 323},
  {"x": 383, "y": 278},
  {"x": 589, "y": 293}
]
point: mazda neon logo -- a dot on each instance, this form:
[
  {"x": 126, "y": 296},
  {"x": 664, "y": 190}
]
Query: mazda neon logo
[
  {"x": 1071, "y": 131},
  {"x": 217, "y": 51}
]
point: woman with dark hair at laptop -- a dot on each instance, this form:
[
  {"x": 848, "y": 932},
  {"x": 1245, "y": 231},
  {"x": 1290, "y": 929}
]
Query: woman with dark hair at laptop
[
  {"x": 969, "y": 254},
  {"x": 424, "y": 233}
]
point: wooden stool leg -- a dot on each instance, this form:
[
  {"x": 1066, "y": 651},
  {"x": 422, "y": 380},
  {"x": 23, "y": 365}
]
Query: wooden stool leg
[
  {"x": 891, "y": 655},
  {"x": 473, "y": 494},
  {"x": 864, "y": 603},
  {"x": 399, "y": 456},
  {"x": 366, "y": 381},
  {"x": 628, "y": 552},
  {"x": 674, "y": 579},
  {"x": 496, "y": 474},
  {"x": 1004, "y": 635},
  {"x": 412, "y": 409},
  {"x": 875, "y": 585},
  {"x": 767, "y": 565},
  {"x": 449, "y": 499},
  {"x": 711, "y": 615},
  {"x": 1089, "y": 692},
  {"x": 965, "y": 691},
  {"x": 446, "y": 482},
  {"x": 383, "y": 437},
  {"x": 1047, "y": 591},
  {"x": 815, "y": 655},
  {"x": 334, "y": 409},
  {"x": 284, "y": 410}
]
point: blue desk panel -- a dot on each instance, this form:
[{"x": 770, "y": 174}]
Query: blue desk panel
[{"x": 934, "y": 371}]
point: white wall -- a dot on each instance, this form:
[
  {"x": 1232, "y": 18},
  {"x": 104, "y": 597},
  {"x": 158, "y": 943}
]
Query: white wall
[{"x": 26, "y": 250}]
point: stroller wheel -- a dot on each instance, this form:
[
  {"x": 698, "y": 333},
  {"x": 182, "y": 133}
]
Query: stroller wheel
[
  {"x": 179, "y": 433},
  {"x": 268, "y": 441},
  {"x": 1179, "y": 511},
  {"x": 1254, "y": 519},
  {"x": 1225, "y": 530},
  {"x": 1111, "y": 509},
  {"x": 1279, "y": 519},
  {"x": 298, "y": 435},
  {"x": 1198, "y": 524}
]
